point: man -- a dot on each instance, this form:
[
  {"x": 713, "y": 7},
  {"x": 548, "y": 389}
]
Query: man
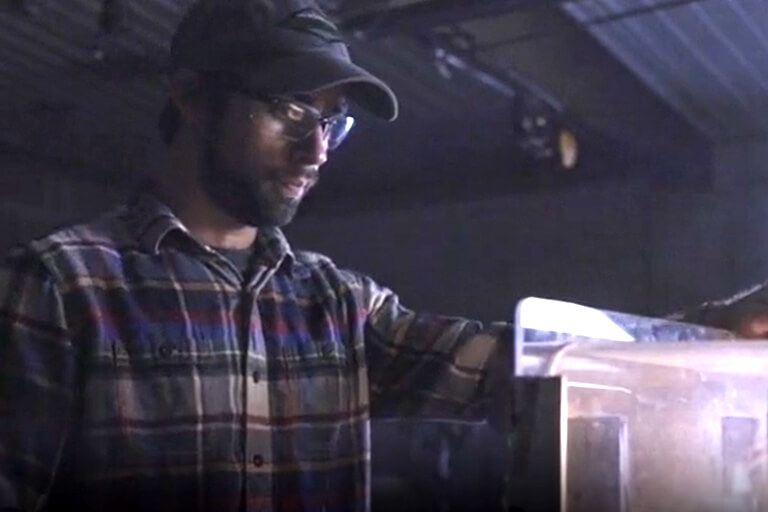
[{"x": 176, "y": 354}]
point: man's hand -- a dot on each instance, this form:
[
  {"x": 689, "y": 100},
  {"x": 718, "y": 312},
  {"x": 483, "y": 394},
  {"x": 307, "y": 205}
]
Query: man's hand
[
  {"x": 745, "y": 314},
  {"x": 746, "y": 319},
  {"x": 749, "y": 322}
]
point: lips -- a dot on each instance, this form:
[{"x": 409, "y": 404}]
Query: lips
[
  {"x": 293, "y": 184},
  {"x": 295, "y": 188}
]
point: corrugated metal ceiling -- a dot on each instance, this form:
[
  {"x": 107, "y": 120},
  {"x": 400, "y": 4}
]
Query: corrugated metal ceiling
[
  {"x": 70, "y": 91},
  {"x": 707, "y": 58},
  {"x": 100, "y": 93}
]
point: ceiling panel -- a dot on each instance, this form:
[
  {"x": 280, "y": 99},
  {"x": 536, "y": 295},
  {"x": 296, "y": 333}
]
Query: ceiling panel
[
  {"x": 69, "y": 90},
  {"x": 706, "y": 58},
  {"x": 54, "y": 56}
]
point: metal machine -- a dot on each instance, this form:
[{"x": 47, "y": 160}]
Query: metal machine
[
  {"x": 614, "y": 412},
  {"x": 608, "y": 412}
]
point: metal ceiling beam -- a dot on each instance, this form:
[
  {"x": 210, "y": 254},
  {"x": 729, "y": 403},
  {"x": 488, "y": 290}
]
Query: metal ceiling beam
[
  {"x": 592, "y": 102},
  {"x": 428, "y": 14},
  {"x": 418, "y": 20},
  {"x": 506, "y": 82}
]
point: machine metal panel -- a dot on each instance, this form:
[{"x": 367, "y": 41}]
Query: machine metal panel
[{"x": 660, "y": 415}]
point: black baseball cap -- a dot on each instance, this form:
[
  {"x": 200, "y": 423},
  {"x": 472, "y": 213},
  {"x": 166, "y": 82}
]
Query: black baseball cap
[{"x": 280, "y": 47}]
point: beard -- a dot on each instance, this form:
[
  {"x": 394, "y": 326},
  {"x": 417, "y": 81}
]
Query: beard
[{"x": 247, "y": 200}]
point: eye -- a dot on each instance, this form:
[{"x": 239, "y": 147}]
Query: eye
[{"x": 294, "y": 112}]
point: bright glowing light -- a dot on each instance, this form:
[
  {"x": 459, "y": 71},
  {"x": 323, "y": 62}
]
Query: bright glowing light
[{"x": 566, "y": 317}]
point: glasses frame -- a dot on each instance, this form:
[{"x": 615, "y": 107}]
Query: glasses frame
[{"x": 319, "y": 119}]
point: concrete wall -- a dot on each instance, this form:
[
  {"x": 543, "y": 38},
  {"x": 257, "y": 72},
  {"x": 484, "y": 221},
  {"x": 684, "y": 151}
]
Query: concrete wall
[
  {"x": 624, "y": 246},
  {"x": 36, "y": 196},
  {"x": 478, "y": 258},
  {"x": 712, "y": 244}
]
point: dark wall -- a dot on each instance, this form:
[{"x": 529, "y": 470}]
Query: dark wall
[{"x": 627, "y": 244}]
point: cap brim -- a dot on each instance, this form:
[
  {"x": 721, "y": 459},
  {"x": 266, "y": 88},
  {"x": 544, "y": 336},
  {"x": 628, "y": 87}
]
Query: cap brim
[{"x": 312, "y": 72}]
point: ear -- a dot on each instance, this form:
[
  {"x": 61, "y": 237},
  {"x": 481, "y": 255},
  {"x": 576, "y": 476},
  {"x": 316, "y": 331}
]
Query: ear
[{"x": 186, "y": 94}]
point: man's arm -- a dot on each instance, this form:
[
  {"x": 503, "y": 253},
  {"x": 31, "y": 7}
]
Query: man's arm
[
  {"x": 428, "y": 365},
  {"x": 37, "y": 367}
]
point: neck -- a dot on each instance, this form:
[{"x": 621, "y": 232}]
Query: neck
[{"x": 181, "y": 190}]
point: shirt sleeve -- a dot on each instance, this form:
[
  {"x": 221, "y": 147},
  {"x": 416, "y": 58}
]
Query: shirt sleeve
[
  {"x": 36, "y": 381},
  {"x": 431, "y": 366}
]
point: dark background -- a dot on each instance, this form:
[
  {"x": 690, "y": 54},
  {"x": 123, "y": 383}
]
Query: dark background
[{"x": 668, "y": 99}]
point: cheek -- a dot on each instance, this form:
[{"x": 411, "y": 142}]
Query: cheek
[{"x": 253, "y": 150}]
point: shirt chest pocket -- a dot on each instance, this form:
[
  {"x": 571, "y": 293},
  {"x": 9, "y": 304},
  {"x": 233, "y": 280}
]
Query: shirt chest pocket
[
  {"x": 146, "y": 378},
  {"x": 140, "y": 395}
]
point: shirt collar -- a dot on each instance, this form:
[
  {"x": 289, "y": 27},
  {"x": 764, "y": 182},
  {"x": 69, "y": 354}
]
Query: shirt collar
[
  {"x": 273, "y": 248},
  {"x": 151, "y": 221}
]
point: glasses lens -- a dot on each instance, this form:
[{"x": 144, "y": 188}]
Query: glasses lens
[
  {"x": 295, "y": 113},
  {"x": 337, "y": 130},
  {"x": 300, "y": 120}
]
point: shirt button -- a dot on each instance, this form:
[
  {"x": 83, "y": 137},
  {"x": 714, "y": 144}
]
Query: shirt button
[
  {"x": 256, "y": 376},
  {"x": 258, "y": 460}
]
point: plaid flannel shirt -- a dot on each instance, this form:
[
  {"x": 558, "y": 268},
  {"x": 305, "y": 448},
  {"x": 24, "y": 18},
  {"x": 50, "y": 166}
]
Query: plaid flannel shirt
[{"x": 139, "y": 371}]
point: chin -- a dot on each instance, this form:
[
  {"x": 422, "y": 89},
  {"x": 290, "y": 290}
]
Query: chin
[{"x": 277, "y": 216}]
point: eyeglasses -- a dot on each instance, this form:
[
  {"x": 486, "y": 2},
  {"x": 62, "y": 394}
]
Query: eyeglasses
[{"x": 299, "y": 120}]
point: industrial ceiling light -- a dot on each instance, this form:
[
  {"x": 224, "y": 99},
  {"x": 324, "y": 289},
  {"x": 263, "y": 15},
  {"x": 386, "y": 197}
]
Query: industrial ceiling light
[
  {"x": 539, "y": 133},
  {"x": 568, "y": 147}
]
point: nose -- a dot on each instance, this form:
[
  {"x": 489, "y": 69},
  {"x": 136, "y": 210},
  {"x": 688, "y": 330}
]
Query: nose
[{"x": 312, "y": 149}]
